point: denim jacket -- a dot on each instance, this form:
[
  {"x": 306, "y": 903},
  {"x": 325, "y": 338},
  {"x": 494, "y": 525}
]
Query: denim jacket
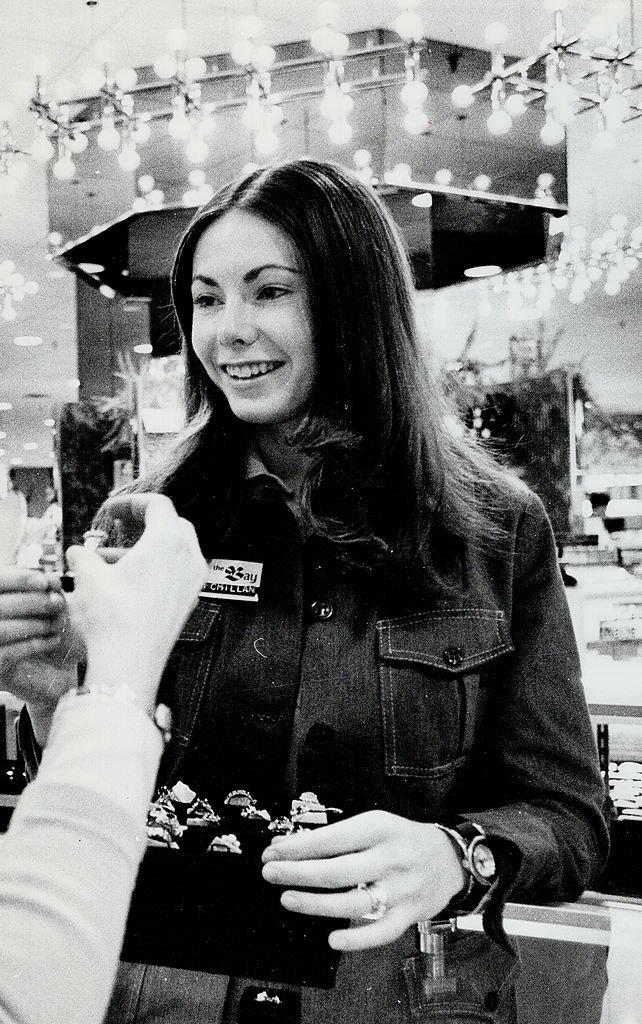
[{"x": 472, "y": 690}]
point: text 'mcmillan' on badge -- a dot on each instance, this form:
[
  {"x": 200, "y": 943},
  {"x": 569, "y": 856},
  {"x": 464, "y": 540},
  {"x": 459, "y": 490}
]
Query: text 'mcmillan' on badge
[{"x": 233, "y": 580}]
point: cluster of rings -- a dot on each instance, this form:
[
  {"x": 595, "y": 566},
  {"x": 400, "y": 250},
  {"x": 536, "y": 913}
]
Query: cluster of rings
[{"x": 378, "y": 901}]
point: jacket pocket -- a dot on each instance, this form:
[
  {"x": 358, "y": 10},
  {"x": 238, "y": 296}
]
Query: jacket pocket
[{"x": 434, "y": 670}]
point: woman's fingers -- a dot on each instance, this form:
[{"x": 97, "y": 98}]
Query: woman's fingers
[
  {"x": 333, "y": 873},
  {"x": 14, "y": 631},
  {"x": 17, "y": 581},
  {"x": 45, "y": 604},
  {"x": 360, "y": 832}
]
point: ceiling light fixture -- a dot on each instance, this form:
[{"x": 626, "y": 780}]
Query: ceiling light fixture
[
  {"x": 484, "y": 270},
  {"x": 262, "y": 113},
  {"x": 594, "y": 69},
  {"x": 336, "y": 103},
  {"x": 27, "y": 341}
]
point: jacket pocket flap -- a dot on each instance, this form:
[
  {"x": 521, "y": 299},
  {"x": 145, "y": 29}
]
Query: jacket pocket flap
[
  {"x": 198, "y": 626},
  {"x": 453, "y": 640}
]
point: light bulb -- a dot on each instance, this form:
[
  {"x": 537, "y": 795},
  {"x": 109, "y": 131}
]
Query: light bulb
[
  {"x": 195, "y": 67},
  {"x": 414, "y": 94},
  {"x": 399, "y": 175},
  {"x": 139, "y": 204},
  {"x": 196, "y": 177},
  {"x": 264, "y": 57},
  {"x": 443, "y": 176},
  {"x": 165, "y": 65},
  {"x": 190, "y": 197},
  {"x": 252, "y": 116},
  {"x": 545, "y": 180},
  {"x": 242, "y": 52},
  {"x": 266, "y": 141},
  {"x": 339, "y": 132},
  {"x": 340, "y": 44},
  {"x": 129, "y": 159},
  {"x": 499, "y": 122},
  {"x": 108, "y": 138},
  {"x": 64, "y": 168},
  {"x": 197, "y": 151},
  {"x": 322, "y": 39},
  {"x": 409, "y": 26},
  {"x": 462, "y": 97},
  {"x": 146, "y": 183},
  {"x": 496, "y": 33},
  {"x": 41, "y": 148},
  {"x": 336, "y": 105},
  {"x": 179, "y": 127},
  {"x": 416, "y": 121},
  {"x": 362, "y": 158},
  {"x": 612, "y": 287},
  {"x": 551, "y": 133},
  {"x": 482, "y": 183},
  {"x": 77, "y": 143},
  {"x": 515, "y": 105},
  {"x": 126, "y": 79},
  {"x": 141, "y": 132}
]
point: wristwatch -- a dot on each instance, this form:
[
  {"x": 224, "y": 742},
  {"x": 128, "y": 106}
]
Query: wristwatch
[{"x": 478, "y": 861}]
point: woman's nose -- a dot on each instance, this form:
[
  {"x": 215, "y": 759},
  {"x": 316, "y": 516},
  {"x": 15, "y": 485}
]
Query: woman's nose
[{"x": 236, "y": 324}]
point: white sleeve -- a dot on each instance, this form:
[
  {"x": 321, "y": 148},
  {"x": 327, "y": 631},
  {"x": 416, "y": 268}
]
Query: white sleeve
[{"x": 69, "y": 861}]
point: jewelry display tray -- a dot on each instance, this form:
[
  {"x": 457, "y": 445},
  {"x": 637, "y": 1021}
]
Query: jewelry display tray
[{"x": 214, "y": 912}]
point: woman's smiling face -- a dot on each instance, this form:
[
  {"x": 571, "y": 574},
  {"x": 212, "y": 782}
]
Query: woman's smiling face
[{"x": 251, "y": 321}]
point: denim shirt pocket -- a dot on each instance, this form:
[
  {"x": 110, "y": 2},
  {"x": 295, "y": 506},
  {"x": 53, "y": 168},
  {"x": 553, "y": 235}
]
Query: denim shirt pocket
[{"x": 434, "y": 671}]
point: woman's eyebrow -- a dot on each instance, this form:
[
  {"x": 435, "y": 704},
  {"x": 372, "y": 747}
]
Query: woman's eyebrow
[{"x": 251, "y": 274}]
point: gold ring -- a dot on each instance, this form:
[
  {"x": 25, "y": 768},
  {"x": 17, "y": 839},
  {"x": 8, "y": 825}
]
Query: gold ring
[{"x": 378, "y": 901}]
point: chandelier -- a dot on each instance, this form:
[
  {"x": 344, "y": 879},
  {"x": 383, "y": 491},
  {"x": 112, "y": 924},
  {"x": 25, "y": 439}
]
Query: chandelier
[{"x": 569, "y": 74}]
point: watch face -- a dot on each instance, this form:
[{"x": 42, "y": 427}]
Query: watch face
[{"x": 483, "y": 861}]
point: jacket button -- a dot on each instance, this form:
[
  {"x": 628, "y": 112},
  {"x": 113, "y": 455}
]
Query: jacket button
[
  {"x": 453, "y": 656},
  {"x": 322, "y": 609}
]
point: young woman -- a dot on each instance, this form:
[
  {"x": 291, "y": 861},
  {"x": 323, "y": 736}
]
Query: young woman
[{"x": 407, "y": 652}]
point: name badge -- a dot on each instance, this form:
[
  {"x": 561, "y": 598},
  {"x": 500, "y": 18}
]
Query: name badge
[{"x": 233, "y": 580}]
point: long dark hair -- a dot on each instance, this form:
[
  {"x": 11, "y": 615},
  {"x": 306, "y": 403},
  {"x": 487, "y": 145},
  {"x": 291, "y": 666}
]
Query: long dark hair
[{"x": 385, "y": 464}]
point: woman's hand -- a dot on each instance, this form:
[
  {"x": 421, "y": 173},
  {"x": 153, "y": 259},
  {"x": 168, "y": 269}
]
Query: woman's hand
[
  {"x": 130, "y": 613},
  {"x": 33, "y": 628},
  {"x": 413, "y": 866}
]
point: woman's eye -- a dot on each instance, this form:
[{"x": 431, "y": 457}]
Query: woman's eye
[
  {"x": 272, "y": 291},
  {"x": 205, "y": 301}
]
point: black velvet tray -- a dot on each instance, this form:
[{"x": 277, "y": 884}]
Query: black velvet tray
[{"x": 214, "y": 912}]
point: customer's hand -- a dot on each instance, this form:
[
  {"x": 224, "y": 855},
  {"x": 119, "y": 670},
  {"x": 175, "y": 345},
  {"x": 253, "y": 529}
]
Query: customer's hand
[
  {"x": 34, "y": 627},
  {"x": 130, "y": 613},
  {"x": 413, "y": 865}
]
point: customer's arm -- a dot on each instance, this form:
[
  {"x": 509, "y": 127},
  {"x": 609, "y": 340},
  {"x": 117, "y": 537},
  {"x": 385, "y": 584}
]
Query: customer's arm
[{"x": 69, "y": 861}]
